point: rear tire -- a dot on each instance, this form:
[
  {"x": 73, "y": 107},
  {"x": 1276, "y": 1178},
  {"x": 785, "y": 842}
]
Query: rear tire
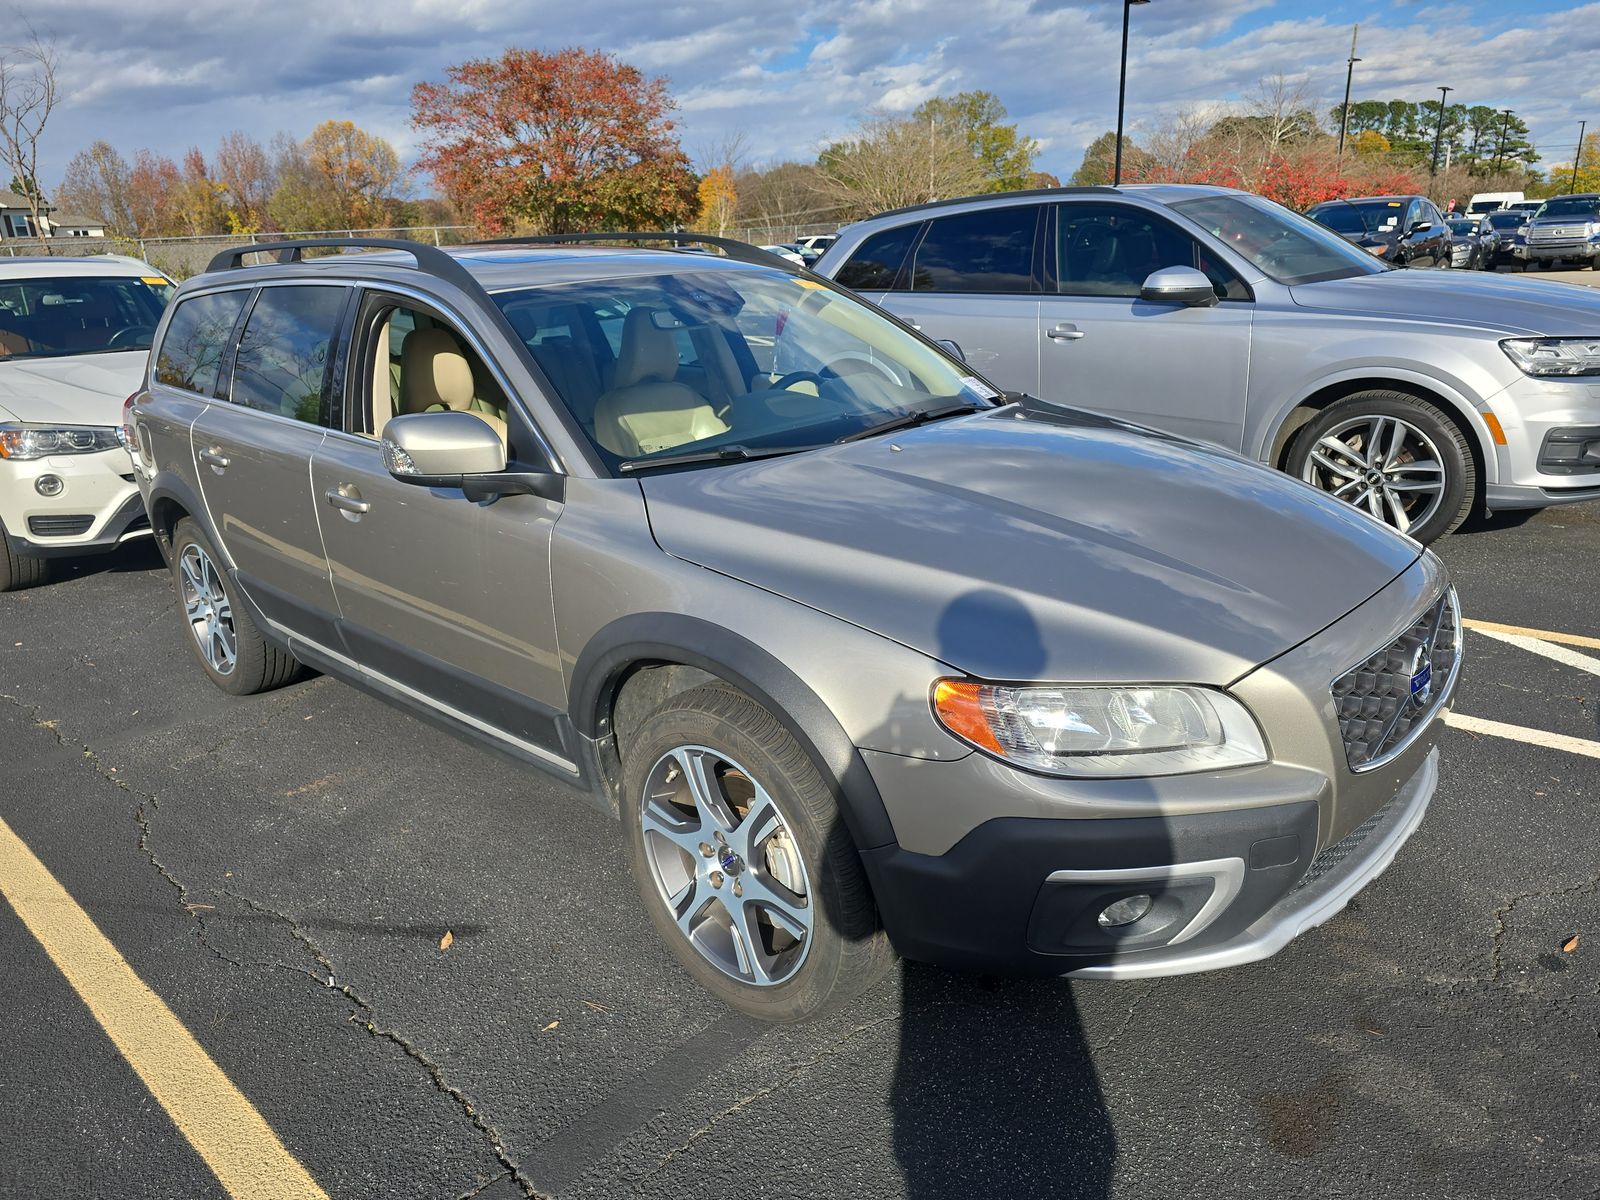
[
  {"x": 1403, "y": 461},
  {"x": 18, "y": 571},
  {"x": 224, "y": 639},
  {"x": 702, "y": 777}
]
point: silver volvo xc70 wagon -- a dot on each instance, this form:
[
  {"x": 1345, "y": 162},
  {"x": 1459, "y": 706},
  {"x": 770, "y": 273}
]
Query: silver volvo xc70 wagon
[{"x": 867, "y": 657}]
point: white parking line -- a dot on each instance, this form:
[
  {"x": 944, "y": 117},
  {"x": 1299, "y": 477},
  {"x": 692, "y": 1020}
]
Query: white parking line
[
  {"x": 1550, "y": 650},
  {"x": 1520, "y": 733},
  {"x": 1543, "y": 635}
]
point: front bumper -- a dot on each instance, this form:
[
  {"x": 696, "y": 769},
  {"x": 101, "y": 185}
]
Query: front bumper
[
  {"x": 97, "y": 509},
  {"x": 1531, "y": 470},
  {"x": 1558, "y": 251}
]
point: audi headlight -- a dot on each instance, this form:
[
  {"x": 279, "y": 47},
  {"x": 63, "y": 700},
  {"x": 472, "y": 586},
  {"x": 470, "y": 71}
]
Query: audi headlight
[
  {"x": 1554, "y": 357},
  {"x": 1102, "y": 731},
  {"x": 23, "y": 442}
]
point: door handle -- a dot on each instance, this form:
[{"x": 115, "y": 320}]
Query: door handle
[
  {"x": 214, "y": 459},
  {"x": 346, "y": 499},
  {"x": 1065, "y": 333}
]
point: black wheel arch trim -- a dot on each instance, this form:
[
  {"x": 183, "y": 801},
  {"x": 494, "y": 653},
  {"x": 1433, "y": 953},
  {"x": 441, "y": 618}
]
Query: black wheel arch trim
[
  {"x": 677, "y": 638},
  {"x": 168, "y": 488}
]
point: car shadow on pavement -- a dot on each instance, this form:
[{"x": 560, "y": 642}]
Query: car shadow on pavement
[
  {"x": 133, "y": 558},
  {"x": 995, "y": 1092}
]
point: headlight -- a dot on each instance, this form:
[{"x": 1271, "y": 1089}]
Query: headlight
[
  {"x": 1547, "y": 357},
  {"x": 1102, "y": 731},
  {"x": 24, "y": 442}
]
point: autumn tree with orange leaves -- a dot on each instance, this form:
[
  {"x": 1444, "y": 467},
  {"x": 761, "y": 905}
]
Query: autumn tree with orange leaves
[{"x": 562, "y": 142}]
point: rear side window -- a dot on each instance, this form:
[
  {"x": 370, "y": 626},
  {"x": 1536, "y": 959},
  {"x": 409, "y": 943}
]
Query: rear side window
[
  {"x": 986, "y": 251},
  {"x": 282, "y": 363},
  {"x": 197, "y": 338},
  {"x": 875, "y": 266}
]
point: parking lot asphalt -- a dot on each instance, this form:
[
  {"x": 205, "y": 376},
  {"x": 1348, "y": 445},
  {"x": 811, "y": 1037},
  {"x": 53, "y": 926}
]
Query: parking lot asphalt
[{"x": 281, "y": 870}]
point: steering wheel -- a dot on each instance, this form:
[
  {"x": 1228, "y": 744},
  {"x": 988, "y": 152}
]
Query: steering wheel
[
  {"x": 794, "y": 377},
  {"x": 126, "y": 332}
]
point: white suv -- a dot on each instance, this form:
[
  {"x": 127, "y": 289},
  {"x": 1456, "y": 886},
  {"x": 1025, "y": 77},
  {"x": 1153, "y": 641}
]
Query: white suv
[{"x": 74, "y": 335}]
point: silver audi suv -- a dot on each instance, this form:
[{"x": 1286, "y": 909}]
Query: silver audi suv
[
  {"x": 1215, "y": 314},
  {"x": 865, "y": 657}
]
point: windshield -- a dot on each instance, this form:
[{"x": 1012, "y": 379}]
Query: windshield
[
  {"x": 1380, "y": 216},
  {"x": 1506, "y": 220},
  {"x": 1570, "y": 206},
  {"x": 79, "y": 314},
  {"x": 1463, "y": 227},
  {"x": 712, "y": 360},
  {"x": 1287, "y": 247}
]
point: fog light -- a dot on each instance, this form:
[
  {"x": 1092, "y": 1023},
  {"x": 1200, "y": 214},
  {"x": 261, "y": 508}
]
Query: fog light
[
  {"x": 49, "y": 485},
  {"x": 1125, "y": 911}
]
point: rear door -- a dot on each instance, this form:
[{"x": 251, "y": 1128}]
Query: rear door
[
  {"x": 253, "y": 449},
  {"x": 1102, "y": 347},
  {"x": 448, "y": 598},
  {"x": 972, "y": 278}
]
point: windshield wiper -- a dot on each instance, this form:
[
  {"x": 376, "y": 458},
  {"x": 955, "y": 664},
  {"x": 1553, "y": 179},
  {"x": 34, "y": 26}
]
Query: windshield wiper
[
  {"x": 715, "y": 454},
  {"x": 911, "y": 420}
]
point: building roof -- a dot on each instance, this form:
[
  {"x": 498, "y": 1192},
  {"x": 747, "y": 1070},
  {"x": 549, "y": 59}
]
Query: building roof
[{"x": 10, "y": 199}]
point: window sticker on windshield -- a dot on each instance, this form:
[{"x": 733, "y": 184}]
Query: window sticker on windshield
[
  {"x": 978, "y": 387},
  {"x": 808, "y": 283},
  {"x": 1394, "y": 204},
  {"x": 153, "y": 280}
]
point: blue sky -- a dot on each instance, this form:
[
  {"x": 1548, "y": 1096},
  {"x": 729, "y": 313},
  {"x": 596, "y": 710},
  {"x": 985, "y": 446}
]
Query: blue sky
[{"x": 168, "y": 74}]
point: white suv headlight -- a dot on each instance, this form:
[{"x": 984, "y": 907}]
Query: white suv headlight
[
  {"x": 1102, "y": 731},
  {"x": 23, "y": 442},
  {"x": 1557, "y": 356}
]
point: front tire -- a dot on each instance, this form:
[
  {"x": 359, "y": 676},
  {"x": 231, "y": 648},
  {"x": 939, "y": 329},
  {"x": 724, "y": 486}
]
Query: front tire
[
  {"x": 742, "y": 860},
  {"x": 18, "y": 571},
  {"x": 1398, "y": 458},
  {"x": 222, "y": 635}
]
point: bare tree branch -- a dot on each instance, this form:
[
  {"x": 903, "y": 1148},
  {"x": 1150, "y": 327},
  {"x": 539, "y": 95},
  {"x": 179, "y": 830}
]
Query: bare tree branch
[{"x": 27, "y": 96}]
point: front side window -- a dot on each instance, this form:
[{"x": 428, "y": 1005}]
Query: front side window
[
  {"x": 990, "y": 250},
  {"x": 282, "y": 362},
  {"x": 79, "y": 314},
  {"x": 191, "y": 353},
  {"x": 738, "y": 360},
  {"x": 876, "y": 264},
  {"x": 1111, "y": 249},
  {"x": 1286, "y": 247},
  {"x": 416, "y": 363}
]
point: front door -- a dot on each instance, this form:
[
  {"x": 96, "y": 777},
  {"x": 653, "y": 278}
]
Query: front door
[
  {"x": 448, "y": 598},
  {"x": 1101, "y": 347},
  {"x": 253, "y": 449}
]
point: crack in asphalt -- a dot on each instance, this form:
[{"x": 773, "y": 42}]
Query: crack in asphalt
[
  {"x": 484, "y": 1186},
  {"x": 745, "y": 1101},
  {"x": 435, "y": 1073},
  {"x": 1127, "y": 1019},
  {"x": 1505, "y": 910}
]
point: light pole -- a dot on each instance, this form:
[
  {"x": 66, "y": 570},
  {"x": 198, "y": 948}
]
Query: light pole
[
  {"x": 1438, "y": 134},
  {"x": 1122, "y": 85},
  {"x": 1349, "y": 74},
  {"x": 1578, "y": 154},
  {"x": 1505, "y": 129}
]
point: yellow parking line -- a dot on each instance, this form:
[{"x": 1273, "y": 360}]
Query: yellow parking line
[
  {"x": 1521, "y": 733},
  {"x": 223, "y": 1127},
  {"x": 1543, "y": 635}
]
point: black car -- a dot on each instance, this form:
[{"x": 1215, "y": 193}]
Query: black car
[
  {"x": 1503, "y": 229},
  {"x": 1407, "y": 231}
]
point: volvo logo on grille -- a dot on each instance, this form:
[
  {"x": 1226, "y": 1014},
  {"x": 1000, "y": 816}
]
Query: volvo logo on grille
[{"x": 1422, "y": 673}]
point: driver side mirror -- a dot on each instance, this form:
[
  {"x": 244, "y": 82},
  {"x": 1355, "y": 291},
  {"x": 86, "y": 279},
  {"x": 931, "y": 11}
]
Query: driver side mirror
[
  {"x": 457, "y": 450},
  {"x": 1422, "y": 227},
  {"x": 1179, "y": 285}
]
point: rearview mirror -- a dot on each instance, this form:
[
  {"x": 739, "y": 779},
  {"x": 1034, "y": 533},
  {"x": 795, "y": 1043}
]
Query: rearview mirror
[
  {"x": 952, "y": 348},
  {"x": 1179, "y": 285}
]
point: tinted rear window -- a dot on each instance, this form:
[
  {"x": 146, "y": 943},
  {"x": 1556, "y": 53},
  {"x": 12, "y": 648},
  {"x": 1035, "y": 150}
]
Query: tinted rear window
[
  {"x": 284, "y": 351},
  {"x": 875, "y": 265},
  {"x": 986, "y": 251},
  {"x": 197, "y": 337}
]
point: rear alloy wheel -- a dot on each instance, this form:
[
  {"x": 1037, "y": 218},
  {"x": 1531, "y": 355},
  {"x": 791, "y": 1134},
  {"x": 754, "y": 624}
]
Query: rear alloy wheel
[
  {"x": 19, "y": 571},
  {"x": 1395, "y": 457},
  {"x": 742, "y": 860},
  {"x": 223, "y": 637}
]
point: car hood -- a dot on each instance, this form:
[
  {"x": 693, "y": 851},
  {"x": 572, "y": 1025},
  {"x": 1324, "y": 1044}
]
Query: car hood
[
  {"x": 1508, "y": 305},
  {"x": 1017, "y": 546},
  {"x": 84, "y": 389}
]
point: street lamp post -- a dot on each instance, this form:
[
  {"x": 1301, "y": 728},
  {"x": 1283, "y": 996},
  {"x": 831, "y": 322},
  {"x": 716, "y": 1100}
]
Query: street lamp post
[
  {"x": 1122, "y": 85},
  {"x": 1349, "y": 75},
  {"x": 1438, "y": 134},
  {"x": 1578, "y": 154},
  {"x": 1505, "y": 129}
]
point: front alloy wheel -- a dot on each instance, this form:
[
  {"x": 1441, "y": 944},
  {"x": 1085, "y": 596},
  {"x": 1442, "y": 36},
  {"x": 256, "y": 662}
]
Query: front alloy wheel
[{"x": 1396, "y": 457}]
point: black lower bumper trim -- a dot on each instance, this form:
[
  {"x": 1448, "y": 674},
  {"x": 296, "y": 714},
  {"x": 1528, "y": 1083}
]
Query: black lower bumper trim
[{"x": 129, "y": 518}]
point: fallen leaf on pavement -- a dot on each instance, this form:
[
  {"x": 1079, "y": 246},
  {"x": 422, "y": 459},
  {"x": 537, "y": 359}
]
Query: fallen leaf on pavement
[
  {"x": 597, "y": 1007},
  {"x": 1570, "y": 945},
  {"x": 446, "y": 940},
  {"x": 549, "y": 1027}
]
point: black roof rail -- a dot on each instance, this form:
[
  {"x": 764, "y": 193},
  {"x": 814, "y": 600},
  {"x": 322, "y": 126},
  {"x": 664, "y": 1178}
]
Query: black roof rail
[
  {"x": 732, "y": 247},
  {"x": 428, "y": 258},
  {"x": 1075, "y": 190}
]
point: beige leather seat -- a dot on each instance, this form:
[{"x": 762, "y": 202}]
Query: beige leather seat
[
  {"x": 646, "y": 410},
  {"x": 435, "y": 375}
]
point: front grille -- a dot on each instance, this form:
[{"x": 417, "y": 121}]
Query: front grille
[
  {"x": 1381, "y": 701},
  {"x": 1343, "y": 848},
  {"x": 52, "y": 526}
]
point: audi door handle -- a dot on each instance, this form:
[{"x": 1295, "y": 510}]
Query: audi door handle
[
  {"x": 1065, "y": 333},
  {"x": 346, "y": 502},
  {"x": 215, "y": 459}
]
